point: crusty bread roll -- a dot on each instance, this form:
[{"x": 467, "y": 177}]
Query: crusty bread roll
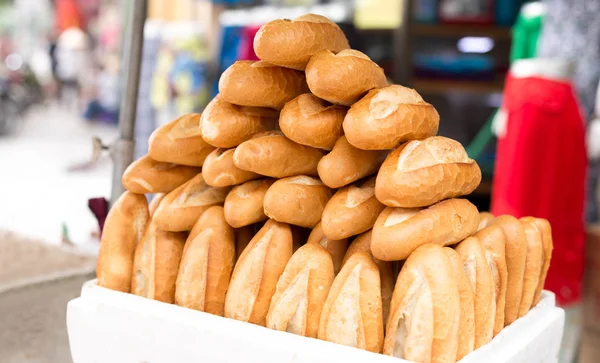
[
  {"x": 546, "y": 231},
  {"x": 226, "y": 125},
  {"x": 362, "y": 243},
  {"x": 533, "y": 265},
  {"x": 425, "y": 311},
  {"x": 346, "y": 164},
  {"x": 206, "y": 264},
  {"x": 256, "y": 273},
  {"x": 494, "y": 244},
  {"x": 291, "y": 43},
  {"x": 146, "y": 175},
  {"x": 272, "y": 154},
  {"x": 153, "y": 205},
  {"x": 352, "y": 313},
  {"x": 516, "y": 255},
  {"x": 156, "y": 263},
  {"x": 260, "y": 84},
  {"x": 466, "y": 327},
  {"x": 311, "y": 121},
  {"x": 485, "y": 219},
  {"x": 352, "y": 210},
  {"x": 180, "y": 209},
  {"x": 421, "y": 173},
  {"x": 123, "y": 229},
  {"x": 481, "y": 281},
  {"x": 398, "y": 231},
  {"x": 220, "y": 171},
  {"x": 343, "y": 78},
  {"x": 179, "y": 142},
  {"x": 301, "y": 292},
  {"x": 389, "y": 116},
  {"x": 297, "y": 200},
  {"x": 244, "y": 203},
  {"x": 337, "y": 248},
  {"x": 243, "y": 236}
]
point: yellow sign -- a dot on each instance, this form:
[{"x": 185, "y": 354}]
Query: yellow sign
[{"x": 378, "y": 14}]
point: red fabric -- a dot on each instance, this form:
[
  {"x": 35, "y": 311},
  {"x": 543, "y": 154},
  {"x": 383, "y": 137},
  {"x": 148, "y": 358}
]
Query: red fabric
[
  {"x": 68, "y": 15},
  {"x": 246, "y": 46},
  {"x": 99, "y": 207},
  {"x": 540, "y": 171}
]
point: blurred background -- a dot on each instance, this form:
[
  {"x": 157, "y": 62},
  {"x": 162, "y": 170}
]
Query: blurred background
[{"x": 479, "y": 62}]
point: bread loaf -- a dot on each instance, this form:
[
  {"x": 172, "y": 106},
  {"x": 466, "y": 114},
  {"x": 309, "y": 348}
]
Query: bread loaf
[
  {"x": 244, "y": 204},
  {"x": 481, "y": 281},
  {"x": 421, "y": 173},
  {"x": 290, "y": 44},
  {"x": 494, "y": 244},
  {"x": 226, "y": 125},
  {"x": 256, "y": 273},
  {"x": 352, "y": 312},
  {"x": 352, "y": 210},
  {"x": 346, "y": 164},
  {"x": 123, "y": 229},
  {"x": 156, "y": 263},
  {"x": 272, "y": 154},
  {"x": 389, "y": 116},
  {"x": 516, "y": 255},
  {"x": 466, "y": 327},
  {"x": 425, "y": 311},
  {"x": 153, "y": 206},
  {"x": 243, "y": 236},
  {"x": 297, "y": 200},
  {"x": 309, "y": 120},
  {"x": 146, "y": 175},
  {"x": 220, "y": 171},
  {"x": 180, "y": 209},
  {"x": 398, "y": 231},
  {"x": 533, "y": 265},
  {"x": 179, "y": 142},
  {"x": 485, "y": 219},
  {"x": 343, "y": 78},
  {"x": 546, "y": 231},
  {"x": 206, "y": 264},
  {"x": 337, "y": 248},
  {"x": 260, "y": 84},
  {"x": 301, "y": 292}
]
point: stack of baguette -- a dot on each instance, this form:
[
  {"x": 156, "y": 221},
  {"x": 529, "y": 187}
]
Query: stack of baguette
[{"x": 312, "y": 197}]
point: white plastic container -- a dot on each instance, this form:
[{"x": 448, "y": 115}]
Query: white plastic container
[{"x": 109, "y": 326}]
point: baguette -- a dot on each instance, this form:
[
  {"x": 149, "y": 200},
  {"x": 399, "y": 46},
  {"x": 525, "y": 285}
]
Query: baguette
[
  {"x": 226, "y": 125},
  {"x": 301, "y": 292},
  {"x": 346, "y": 164},
  {"x": 256, "y": 273},
  {"x": 309, "y": 120},
  {"x": 362, "y": 243},
  {"x": 466, "y": 328},
  {"x": 398, "y": 231},
  {"x": 337, "y": 248},
  {"x": 290, "y": 44},
  {"x": 156, "y": 263},
  {"x": 206, "y": 264},
  {"x": 220, "y": 171},
  {"x": 533, "y": 265},
  {"x": 179, "y": 142},
  {"x": 389, "y": 116},
  {"x": 297, "y": 200},
  {"x": 243, "y": 236},
  {"x": 272, "y": 154},
  {"x": 481, "y": 281},
  {"x": 422, "y": 173},
  {"x": 244, "y": 204},
  {"x": 271, "y": 86},
  {"x": 352, "y": 210},
  {"x": 516, "y": 256},
  {"x": 153, "y": 206},
  {"x": 546, "y": 231},
  {"x": 343, "y": 78},
  {"x": 124, "y": 227},
  {"x": 352, "y": 313},
  {"x": 180, "y": 209},
  {"x": 146, "y": 175},
  {"x": 425, "y": 311},
  {"x": 494, "y": 244},
  {"x": 485, "y": 219}
]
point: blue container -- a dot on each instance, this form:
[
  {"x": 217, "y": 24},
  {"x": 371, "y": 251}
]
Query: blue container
[
  {"x": 425, "y": 11},
  {"x": 507, "y": 11}
]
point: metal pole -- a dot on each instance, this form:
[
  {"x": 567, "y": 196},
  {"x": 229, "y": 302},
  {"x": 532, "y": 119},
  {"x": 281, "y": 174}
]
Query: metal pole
[{"x": 122, "y": 150}]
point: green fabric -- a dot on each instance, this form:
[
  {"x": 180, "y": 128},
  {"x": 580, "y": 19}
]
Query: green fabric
[{"x": 526, "y": 33}]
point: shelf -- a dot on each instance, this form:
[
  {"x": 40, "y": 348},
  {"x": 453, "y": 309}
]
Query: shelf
[
  {"x": 456, "y": 31},
  {"x": 433, "y": 86}
]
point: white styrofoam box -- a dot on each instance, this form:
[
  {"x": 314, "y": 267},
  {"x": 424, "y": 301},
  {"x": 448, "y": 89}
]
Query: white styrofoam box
[{"x": 111, "y": 326}]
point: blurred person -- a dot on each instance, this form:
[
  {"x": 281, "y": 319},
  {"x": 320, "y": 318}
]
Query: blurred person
[
  {"x": 105, "y": 105},
  {"x": 74, "y": 66}
]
